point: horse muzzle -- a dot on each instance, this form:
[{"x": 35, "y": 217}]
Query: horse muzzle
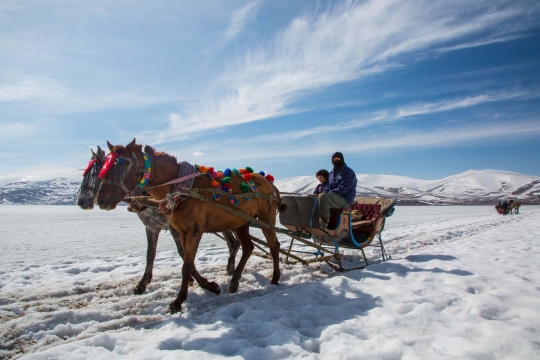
[
  {"x": 107, "y": 204},
  {"x": 85, "y": 203}
]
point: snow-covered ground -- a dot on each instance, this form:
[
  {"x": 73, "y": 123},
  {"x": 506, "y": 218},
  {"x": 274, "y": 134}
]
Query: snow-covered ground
[{"x": 464, "y": 282}]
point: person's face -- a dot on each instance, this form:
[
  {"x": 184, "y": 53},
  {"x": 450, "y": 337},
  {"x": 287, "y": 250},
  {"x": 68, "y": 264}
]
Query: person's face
[
  {"x": 336, "y": 159},
  {"x": 321, "y": 178}
]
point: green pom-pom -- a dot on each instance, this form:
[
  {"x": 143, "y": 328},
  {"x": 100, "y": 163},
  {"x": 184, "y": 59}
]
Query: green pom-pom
[
  {"x": 226, "y": 180},
  {"x": 250, "y": 170},
  {"x": 245, "y": 187}
]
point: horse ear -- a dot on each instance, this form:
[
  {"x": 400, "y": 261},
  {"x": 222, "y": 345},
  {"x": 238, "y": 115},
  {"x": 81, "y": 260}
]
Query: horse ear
[
  {"x": 129, "y": 147},
  {"x": 109, "y": 145},
  {"x": 100, "y": 154},
  {"x": 93, "y": 153}
]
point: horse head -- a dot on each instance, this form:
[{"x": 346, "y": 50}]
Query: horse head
[
  {"x": 91, "y": 181},
  {"x": 120, "y": 174}
]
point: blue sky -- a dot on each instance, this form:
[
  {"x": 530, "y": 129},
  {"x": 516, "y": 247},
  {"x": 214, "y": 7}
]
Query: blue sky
[{"x": 425, "y": 89}]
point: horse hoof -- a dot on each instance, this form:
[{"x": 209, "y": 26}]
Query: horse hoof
[
  {"x": 174, "y": 308},
  {"x": 139, "y": 290},
  {"x": 233, "y": 286},
  {"x": 216, "y": 290},
  {"x": 230, "y": 271},
  {"x": 274, "y": 282},
  {"x": 191, "y": 282}
]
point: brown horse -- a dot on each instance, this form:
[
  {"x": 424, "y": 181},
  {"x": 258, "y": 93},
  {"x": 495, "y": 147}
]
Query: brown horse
[{"x": 193, "y": 217}]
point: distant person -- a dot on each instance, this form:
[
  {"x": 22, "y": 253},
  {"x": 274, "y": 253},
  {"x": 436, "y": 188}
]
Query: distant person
[
  {"x": 341, "y": 189},
  {"x": 322, "y": 176},
  {"x": 499, "y": 204},
  {"x": 505, "y": 207}
]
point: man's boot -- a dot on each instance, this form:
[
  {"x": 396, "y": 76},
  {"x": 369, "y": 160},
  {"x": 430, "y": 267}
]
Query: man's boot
[{"x": 323, "y": 223}]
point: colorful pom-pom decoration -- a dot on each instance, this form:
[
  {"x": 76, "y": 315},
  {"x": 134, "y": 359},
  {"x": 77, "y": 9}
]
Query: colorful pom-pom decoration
[
  {"x": 214, "y": 183},
  {"x": 215, "y": 175},
  {"x": 248, "y": 169},
  {"x": 245, "y": 187},
  {"x": 211, "y": 169},
  {"x": 247, "y": 176},
  {"x": 226, "y": 187},
  {"x": 227, "y": 172},
  {"x": 203, "y": 169},
  {"x": 269, "y": 178},
  {"x": 261, "y": 173},
  {"x": 236, "y": 172},
  {"x": 226, "y": 180},
  {"x": 220, "y": 173}
]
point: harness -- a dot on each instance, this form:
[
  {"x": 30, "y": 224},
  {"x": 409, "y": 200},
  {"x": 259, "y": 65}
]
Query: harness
[
  {"x": 171, "y": 200},
  {"x": 114, "y": 159}
]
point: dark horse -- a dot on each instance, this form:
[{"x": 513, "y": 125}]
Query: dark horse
[
  {"x": 149, "y": 216},
  {"x": 194, "y": 216}
]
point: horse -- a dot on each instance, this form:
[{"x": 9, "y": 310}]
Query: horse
[
  {"x": 194, "y": 216},
  {"x": 514, "y": 207},
  {"x": 153, "y": 221}
]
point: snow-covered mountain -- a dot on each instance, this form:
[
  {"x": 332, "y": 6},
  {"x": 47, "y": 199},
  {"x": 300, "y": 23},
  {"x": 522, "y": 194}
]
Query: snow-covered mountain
[{"x": 470, "y": 187}]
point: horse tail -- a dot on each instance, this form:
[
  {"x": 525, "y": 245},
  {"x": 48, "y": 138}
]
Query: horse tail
[{"x": 281, "y": 206}]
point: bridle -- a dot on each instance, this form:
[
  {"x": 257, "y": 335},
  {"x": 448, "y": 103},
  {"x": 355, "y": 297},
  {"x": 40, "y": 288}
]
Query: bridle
[
  {"x": 89, "y": 184},
  {"x": 115, "y": 159}
]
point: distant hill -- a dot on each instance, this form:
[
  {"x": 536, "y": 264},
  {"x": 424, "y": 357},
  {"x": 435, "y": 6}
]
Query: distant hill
[{"x": 473, "y": 187}]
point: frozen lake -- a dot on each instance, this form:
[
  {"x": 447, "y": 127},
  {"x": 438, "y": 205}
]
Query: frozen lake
[
  {"x": 43, "y": 234},
  {"x": 464, "y": 282}
]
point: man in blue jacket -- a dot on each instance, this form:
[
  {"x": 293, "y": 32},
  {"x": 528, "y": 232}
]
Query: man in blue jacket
[{"x": 341, "y": 189}]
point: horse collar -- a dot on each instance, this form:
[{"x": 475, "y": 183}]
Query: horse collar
[{"x": 147, "y": 170}]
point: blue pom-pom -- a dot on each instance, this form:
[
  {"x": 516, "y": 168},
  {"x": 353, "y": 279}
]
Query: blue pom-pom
[
  {"x": 235, "y": 171},
  {"x": 262, "y": 173},
  {"x": 227, "y": 172}
]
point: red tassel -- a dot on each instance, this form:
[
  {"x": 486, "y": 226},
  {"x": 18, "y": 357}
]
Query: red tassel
[
  {"x": 109, "y": 163},
  {"x": 90, "y": 164},
  {"x": 247, "y": 176}
]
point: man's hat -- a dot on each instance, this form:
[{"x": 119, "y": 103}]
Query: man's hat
[{"x": 339, "y": 155}]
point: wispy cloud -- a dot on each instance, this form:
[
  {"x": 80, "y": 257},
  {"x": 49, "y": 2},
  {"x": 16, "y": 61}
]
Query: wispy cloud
[
  {"x": 342, "y": 44},
  {"x": 16, "y": 130},
  {"x": 464, "y": 102},
  {"x": 17, "y": 87},
  {"x": 240, "y": 19},
  {"x": 400, "y": 113},
  {"x": 439, "y": 137}
]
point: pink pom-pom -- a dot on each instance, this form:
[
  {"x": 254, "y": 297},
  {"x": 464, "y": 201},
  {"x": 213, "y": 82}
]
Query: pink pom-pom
[{"x": 215, "y": 175}]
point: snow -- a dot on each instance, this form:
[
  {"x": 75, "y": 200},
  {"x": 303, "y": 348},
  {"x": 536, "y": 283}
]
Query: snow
[{"x": 464, "y": 282}]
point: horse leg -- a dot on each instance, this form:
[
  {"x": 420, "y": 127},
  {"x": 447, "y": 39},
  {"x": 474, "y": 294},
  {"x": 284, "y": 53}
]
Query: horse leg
[
  {"x": 233, "y": 245},
  {"x": 242, "y": 234},
  {"x": 152, "y": 236},
  {"x": 190, "y": 244},
  {"x": 176, "y": 238},
  {"x": 273, "y": 244}
]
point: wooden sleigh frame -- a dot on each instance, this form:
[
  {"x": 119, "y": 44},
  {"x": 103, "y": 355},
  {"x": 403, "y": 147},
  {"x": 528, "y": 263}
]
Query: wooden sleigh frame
[{"x": 344, "y": 230}]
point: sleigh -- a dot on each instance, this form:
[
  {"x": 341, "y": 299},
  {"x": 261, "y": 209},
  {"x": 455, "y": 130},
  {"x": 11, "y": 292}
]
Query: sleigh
[{"x": 355, "y": 227}]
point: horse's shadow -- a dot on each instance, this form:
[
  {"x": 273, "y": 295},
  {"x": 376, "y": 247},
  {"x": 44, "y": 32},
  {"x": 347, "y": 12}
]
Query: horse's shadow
[{"x": 297, "y": 311}]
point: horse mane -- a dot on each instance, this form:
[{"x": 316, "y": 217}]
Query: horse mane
[{"x": 163, "y": 155}]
